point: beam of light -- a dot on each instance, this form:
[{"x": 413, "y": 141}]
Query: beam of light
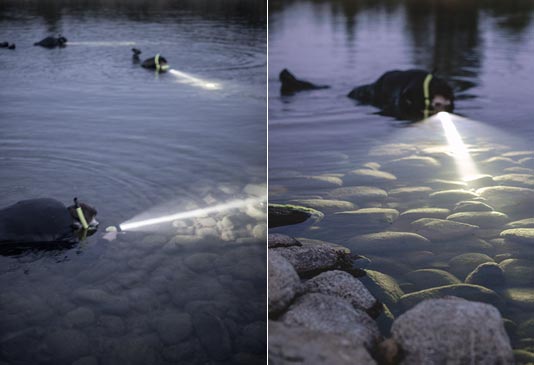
[
  {"x": 235, "y": 204},
  {"x": 464, "y": 162},
  {"x": 101, "y": 44},
  {"x": 194, "y": 81}
]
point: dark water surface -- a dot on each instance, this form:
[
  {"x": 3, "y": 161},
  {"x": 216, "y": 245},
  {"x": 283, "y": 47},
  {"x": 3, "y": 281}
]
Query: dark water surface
[
  {"x": 318, "y": 138},
  {"x": 85, "y": 121}
]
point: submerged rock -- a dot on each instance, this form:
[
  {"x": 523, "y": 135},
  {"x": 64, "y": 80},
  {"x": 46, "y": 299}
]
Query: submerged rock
[
  {"x": 413, "y": 165},
  {"x": 481, "y": 219},
  {"x": 332, "y": 315},
  {"x": 309, "y": 260},
  {"x": 442, "y": 229},
  {"x": 284, "y": 215},
  {"x": 410, "y": 193},
  {"x": 519, "y": 235},
  {"x": 212, "y": 334},
  {"x": 452, "y": 331},
  {"x": 383, "y": 287},
  {"x": 518, "y": 272},
  {"x": 67, "y": 345},
  {"x": 498, "y": 163},
  {"x": 284, "y": 283},
  {"x": 393, "y": 150},
  {"x": 326, "y": 205},
  {"x": 387, "y": 242},
  {"x": 520, "y": 180},
  {"x": 463, "y": 264},
  {"x": 488, "y": 274},
  {"x": 508, "y": 198},
  {"x": 368, "y": 176},
  {"x": 342, "y": 285},
  {"x": 431, "y": 278},
  {"x": 466, "y": 291},
  {"x": 359, "y": 193},
  {"x": 522, "y": 223},
  {"x": 366, "y": 217},
  {"x": 302, "y": 346},
  {"x": 471, "y": 206},
  {"x": 449, "y": 198},
  {"x": 418, "y": 213},
  {"x": 522, "y": 298}
]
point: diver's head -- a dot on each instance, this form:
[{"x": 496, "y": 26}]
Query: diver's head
[
  {"x": 61, "y": 40},
  {"x": 136, "y": 51},
  {"x": 89, "y": 213}
]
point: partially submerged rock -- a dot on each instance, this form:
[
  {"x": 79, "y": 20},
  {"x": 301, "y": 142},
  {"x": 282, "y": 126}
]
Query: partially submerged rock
[
  {"x": 285, "y": 214},
  {"x": 387, "y": 242},
  {"x": 442, "y": 229},
  {"x": 281, "y": 240},
  {"x": 342, "y": 285},
  {"x": 332, "y": 315},
  {"x": 284, "y": 283},
  {"x": 310, "y": 260},
  {"x": 452, "y": 331}
]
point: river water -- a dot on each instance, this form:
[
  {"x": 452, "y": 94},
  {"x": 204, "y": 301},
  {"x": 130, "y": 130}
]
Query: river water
[
  {"x": 322, "y": 143},
  {"x": 86, "y": 121}
]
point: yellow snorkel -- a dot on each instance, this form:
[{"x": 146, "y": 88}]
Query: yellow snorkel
[
  {"x": 426, "y": 93},
  {"x": 159, "y": 67},
  {"x": 81, "y": 217}
]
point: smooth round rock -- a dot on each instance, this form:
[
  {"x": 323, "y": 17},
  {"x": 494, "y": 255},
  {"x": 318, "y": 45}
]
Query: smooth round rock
[
  {"x": 368, "y": 177},
  {"x": 452, "y": 331},
  {"x": 442, "y": 229},
  {"x": 367, "y": 216},
  {"x": 519, "y": 235},
  {"x": 431, "y": 278},
  {"x": 471, "y": 206},
  {"x": 507, "y": 198},
  {"x": 488, "y": 274},
  {"x": 449, "y": 198},
  {"x": 281, "y": 240},
  {"x": 522, "y": 298},
  {"x": 418, "y": 213},
  {"x": 359, "y": 193},
  {"x": 518, "y": 272},
  {"x": 521, "y": 180},
  {"x": 383, "y": 287},
  {"x": 410, "y": 193},
  {"x": 522, "y": 223},
  {"x": 388, "y": 241},
  {"x": 463, "y": 264},
  {"x": 283, "y": 283},
  {"x": 326, "y": 205},
  {"x": 481, "y": 219}
]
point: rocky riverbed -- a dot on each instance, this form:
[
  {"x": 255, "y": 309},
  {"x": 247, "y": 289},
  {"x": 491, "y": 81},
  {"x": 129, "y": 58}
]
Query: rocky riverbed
[
  {"x": 192, "y": 293},
  {"x": 405, "y": 261}
]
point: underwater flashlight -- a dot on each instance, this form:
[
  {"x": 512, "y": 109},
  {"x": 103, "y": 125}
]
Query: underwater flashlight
[{"x": 195, "y": 81}]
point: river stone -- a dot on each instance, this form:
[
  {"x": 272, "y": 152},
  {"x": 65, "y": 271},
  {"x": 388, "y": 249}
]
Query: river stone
[
  {"x": 431, "y": 278},
  {"x": 442, "y": 229},
  {"x": 388, "y": 241},
  {"x": 466, "y": 291},
  {"x": 301, "y": 346},
  {"x": 410, "y": 193},
  {"x": 308, "y": 242},
  {"x": 67, "y": 345},
  {"x": 332, "y": 315},
  {"x": 212, "y": 334},
  {"x": 359, "y": 193},
  {"x": 519, "y": 235},
  {"x": 284, "y": 282},
  {"x": 413, "y": 164},
  {"x": 284, "y": 215},
  {"x": 394, "y": 266},
  {"x": 80, "y": 317},
  {"x": 393, "y": 150},
  {"x": 518, "y": 272},
  {"x": 463, "y": 264},
  {"x": 343, "y": 285},
  {"x": 488, "y": 274},
  {"x": 449, "y": 198},
  {"x": 481, "y": 219},
  {"x": 366, "y": 216},
  {"x": 479, "y": 181},
  {"x": 383, "y": 287},
  {"x": 310, "y": 259},
  {"x": 418, "y": 213},
  {"x": 523, "y": 223},
  {"x": 105, "y": 302},
  {"x": 446, "y": 184},
  {"x": 281, "y": 240},
  {"x": 507, "y": 198},
  {"x": 526, "y": 329},
  {"x": 520, "y": 180},
  {"x": 368, "y": 176},
  {"x": 173, "y": 327},
  {"x": 523, "y": 357},
  {"x": 325, "y": 205},
  {"x": 471, "y": 206},
  {"x": 498, "y": 163},
  {"x": 452, "y": 331},
  {"x": 522, "y": 298}
]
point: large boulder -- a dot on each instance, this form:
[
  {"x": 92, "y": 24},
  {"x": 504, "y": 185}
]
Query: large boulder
[
  {"x": 452, "y": 331},
  {"x": 332, "y": 315},
  {"x": 302, "y": 346},
  {"x": 284, "y": 283}
]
